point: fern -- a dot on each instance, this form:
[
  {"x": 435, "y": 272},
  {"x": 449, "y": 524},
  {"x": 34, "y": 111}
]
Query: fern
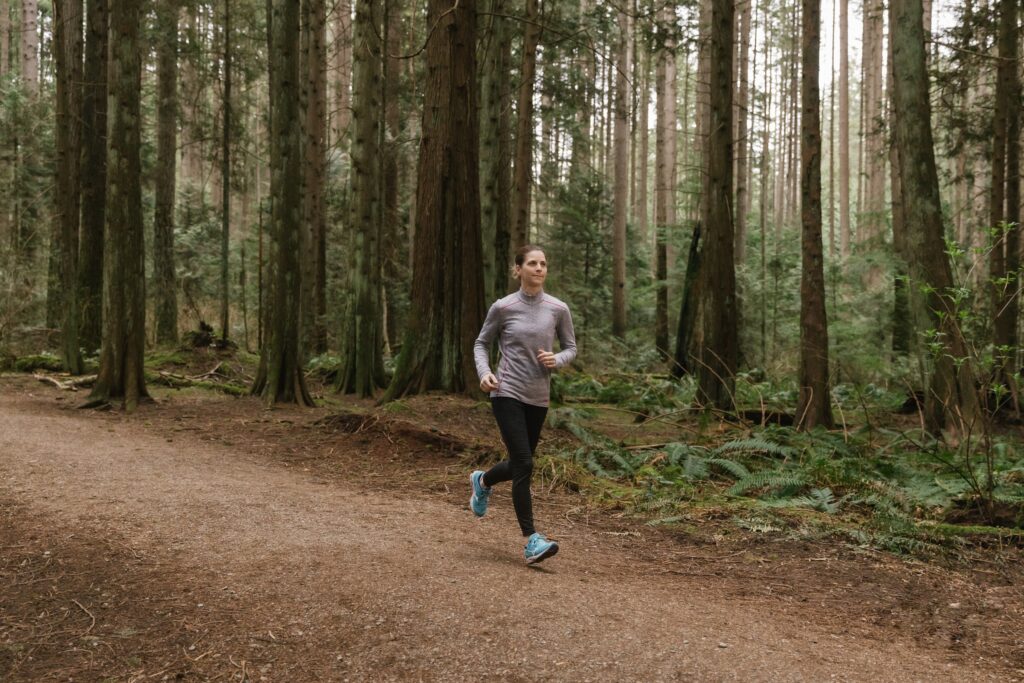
[
  {"x": 736, "y": 469},
  {"x": 696, "y": 467},
  {"x": 822, "y": 500},
  {"x": 767, "y": 479},
  {"x": 754, "y": 445}
]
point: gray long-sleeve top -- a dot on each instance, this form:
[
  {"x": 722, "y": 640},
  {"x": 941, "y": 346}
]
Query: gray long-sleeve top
[{"x": 524, "y": 325}]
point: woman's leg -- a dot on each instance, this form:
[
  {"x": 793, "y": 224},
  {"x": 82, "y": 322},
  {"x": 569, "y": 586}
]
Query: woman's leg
[{"x": 514, "y": 425}]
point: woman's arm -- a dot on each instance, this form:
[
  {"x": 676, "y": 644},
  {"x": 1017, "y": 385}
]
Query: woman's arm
[
  {"x": 566, "y": 338},
  {"x": 482, "y": 345}
]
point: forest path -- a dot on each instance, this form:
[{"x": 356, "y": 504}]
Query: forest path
[{"x": 149, "y": 555}]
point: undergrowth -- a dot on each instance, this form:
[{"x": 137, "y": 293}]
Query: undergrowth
[{"x": 873, "y": 486}]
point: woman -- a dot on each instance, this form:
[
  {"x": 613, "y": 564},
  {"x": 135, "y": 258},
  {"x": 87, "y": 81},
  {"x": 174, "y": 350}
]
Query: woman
[{"x": 525, "y": 323}]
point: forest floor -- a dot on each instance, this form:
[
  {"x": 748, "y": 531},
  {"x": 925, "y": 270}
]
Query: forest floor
[{"x": 208, "y": 538}]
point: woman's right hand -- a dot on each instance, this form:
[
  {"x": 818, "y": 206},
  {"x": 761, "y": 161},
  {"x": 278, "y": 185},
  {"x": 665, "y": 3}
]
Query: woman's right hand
[{"x": 489, "y": 383}]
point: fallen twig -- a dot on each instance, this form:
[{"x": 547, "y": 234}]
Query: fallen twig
[{"x": 87, "y": 612}]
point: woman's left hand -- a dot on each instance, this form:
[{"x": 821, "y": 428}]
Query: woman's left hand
[{"x": 546, "y": 358}]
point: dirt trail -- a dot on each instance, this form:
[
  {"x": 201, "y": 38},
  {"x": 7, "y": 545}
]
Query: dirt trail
[{"x": 198, "y": 561}]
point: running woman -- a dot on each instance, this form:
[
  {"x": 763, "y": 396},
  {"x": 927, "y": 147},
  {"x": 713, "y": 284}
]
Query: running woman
[{"x": 525, "y": 324}]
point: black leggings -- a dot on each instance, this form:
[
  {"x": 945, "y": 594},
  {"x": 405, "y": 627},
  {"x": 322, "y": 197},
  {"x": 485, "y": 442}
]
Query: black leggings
[{"x": 520, "y": 425}]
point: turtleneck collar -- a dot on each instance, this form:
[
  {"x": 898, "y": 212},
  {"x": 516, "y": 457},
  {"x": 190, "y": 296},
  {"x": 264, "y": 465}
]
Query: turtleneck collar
[{"x": 530, "y": 298}]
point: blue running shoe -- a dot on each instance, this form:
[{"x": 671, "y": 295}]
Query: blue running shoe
[
  {"x": 539, "y": 548},
  {"x": 478, "y": 501}
]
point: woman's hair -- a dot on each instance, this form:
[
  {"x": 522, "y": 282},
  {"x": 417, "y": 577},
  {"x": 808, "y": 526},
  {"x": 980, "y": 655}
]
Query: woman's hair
[{"x": 522, "y": 251}]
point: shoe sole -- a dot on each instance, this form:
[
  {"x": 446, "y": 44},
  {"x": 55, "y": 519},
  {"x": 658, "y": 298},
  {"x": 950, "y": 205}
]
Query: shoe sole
[
  {"x": 472, "y": 497},
  {"x": 548, "y": 552}
]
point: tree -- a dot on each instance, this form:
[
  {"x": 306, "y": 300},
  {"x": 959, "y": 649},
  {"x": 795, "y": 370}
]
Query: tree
[
  {"x": 280, "y": 378},
  {"x": 314, "y": 224},
  {"x": 719, "y": 350},
  {"x": 495, "y": 142},
  {"x": 447, "y": 284},
  {"x": 742, "y": 109},
  {"x": 68, "y": 53},
  {"x": 94, "y": 176},
  {"x": 362, "y": 368},
  {"x": 121, "y": 372},
  {"x": 1004, "y": 201},
  {"x": 844, "y": 129},
  {"x": 664, "y": 171},
  {"x": 621, "y": 190},
  {"x": 29, "y": 58},
  {"x": 164, "y": 180},
  {"x": 950, "y": 399},
  {"x": 814, "y": 407},
  {"x": 871, "y": 212},
  {"x": 225, "y": 178},
  {"x": 524, "y": 127}
]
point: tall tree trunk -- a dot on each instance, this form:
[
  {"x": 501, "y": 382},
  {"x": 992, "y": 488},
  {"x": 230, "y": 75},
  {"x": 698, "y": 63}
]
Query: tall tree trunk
[
  {"x": 524, "y": 127},
  {"x": 950, "y": 399},
  {"x": 494, "y": 147},
  {"x": 165, "y": 176},
  {"x": 871, "y": 213},
  {"x": 394, "y": 239},
  {"x": 844, "y": 129},
  {"x": 447, "y": 282},
  {"x": 225, "y": 180},
  {"x": 94, "y": 176},
  {"x": 640, "y": 209},
  {"x": 29, "y": 61},
  {"x": 26, "y": 212},
  {"x": 280, "y": 378},
  {"x": 121, "y": 372},
  {"x": 814, "y": 408},
  {"x": 901, "y": 319},
  {"x": 621, "y": 192},
  {"x": 315, "y": 171},
  {"x": 742, "y": 142},
  {"x": 763, "y": 199},
  {"x": 1004, "y": 203},
  {"x": 68, "y": 53},
  {"x": 362, "y": 368},
  {"x": 5, "y": 37},
  {"x": 664, "y": 181},
  {"x": 342, "y": 116},
  {"x": 717, "y": 370}
]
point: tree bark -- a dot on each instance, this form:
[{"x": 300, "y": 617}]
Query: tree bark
[
  {"x": 844, "y": 129},
  {"x": 950, "y": 400},
  {"x": 814, "y": 408},
  {"x": 121, "y": 372},
  {"x": 494, "y": 147},
  {"x": 1004, "y": 198},
  {"x": 164, "y": 180},
  {"x": 871, "y": 213},
  {"x": 280, "y": 378},
  {"x": 362, "y": 368},
  {"x": 342, "y": 116},
  {"x": 315, "y": 171},
  {"x": 742, "y": 142},
  {"x": 902, "y": 328},
  {"x": 665, "y": 179},
  {"x": 719, "y": 351},
  {"x": 29, "y": 61},
  {"x": 5, "y": 37},
  {"x": 67, "y": 40},
  {"x": 225, "y": 180},
  {"x": 94, "y": 176},
  {"x": 621, "y": 189},
  {"x": 447, "y": 281},
  {"x": 524, "y": 127}
]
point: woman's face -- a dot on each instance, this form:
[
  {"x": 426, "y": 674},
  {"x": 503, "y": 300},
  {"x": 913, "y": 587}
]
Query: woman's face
[{"x": 534, "y": 270}]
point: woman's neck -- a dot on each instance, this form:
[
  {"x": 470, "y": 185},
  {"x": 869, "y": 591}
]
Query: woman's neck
[{"x": 531, "y": 291}]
